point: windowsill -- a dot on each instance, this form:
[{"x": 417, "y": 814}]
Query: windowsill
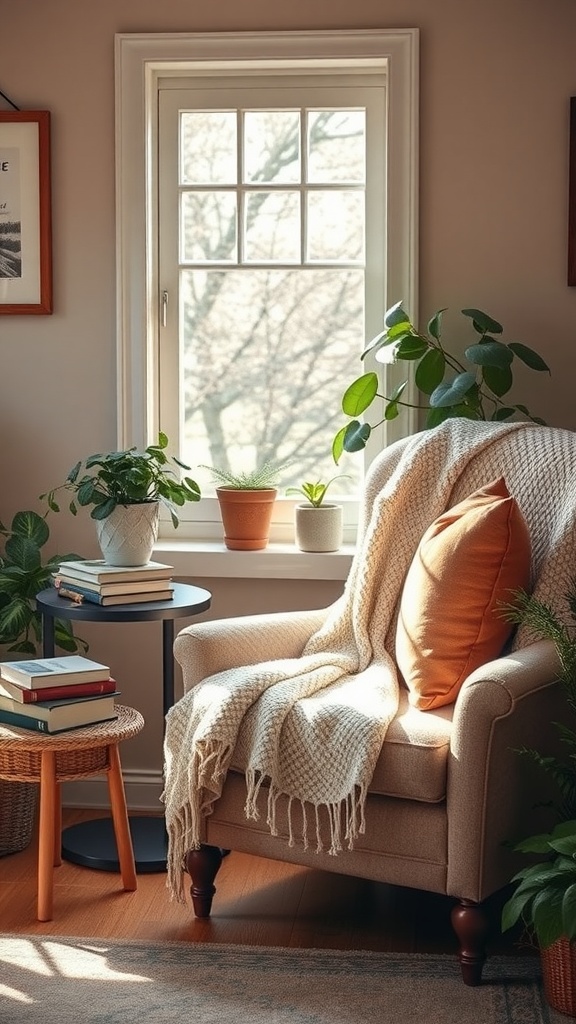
[{"x": 200, "y": 559}]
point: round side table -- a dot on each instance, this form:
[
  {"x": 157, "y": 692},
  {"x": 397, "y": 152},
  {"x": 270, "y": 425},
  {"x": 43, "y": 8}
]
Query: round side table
[
  {"x": 92, "y": 843},
  {"x": 28, "y": 756}
]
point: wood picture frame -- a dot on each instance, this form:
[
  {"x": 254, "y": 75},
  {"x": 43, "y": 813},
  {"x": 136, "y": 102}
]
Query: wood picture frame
[
  {"x": 25, "y": 213},
  {"x": 572, "y": 194}
]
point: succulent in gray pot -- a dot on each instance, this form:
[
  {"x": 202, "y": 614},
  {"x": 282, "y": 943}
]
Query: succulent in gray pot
[
  {"x": 125, "y": 490},
  {"x": 318, "y": 524}
]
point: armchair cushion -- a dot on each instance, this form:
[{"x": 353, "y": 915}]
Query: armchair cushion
[{"x": 468, "y": 560}]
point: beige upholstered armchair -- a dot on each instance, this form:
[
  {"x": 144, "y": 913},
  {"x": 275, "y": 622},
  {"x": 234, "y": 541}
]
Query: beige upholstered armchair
[{"x": 448, "y": 789}]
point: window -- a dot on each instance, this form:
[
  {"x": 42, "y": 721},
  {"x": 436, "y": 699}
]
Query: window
[{"x": 266, "y": 220}]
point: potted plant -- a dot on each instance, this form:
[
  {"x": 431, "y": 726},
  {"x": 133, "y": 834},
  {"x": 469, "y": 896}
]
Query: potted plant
[
  {"x": 473, "y": 385},
  {"x": 246, "y": 501},
  {"x": 318, "y": 524},
  {"x": 23, "y": 573},
  {"x": 125, "y": 490},
  {"x": 545, "y": 891}
]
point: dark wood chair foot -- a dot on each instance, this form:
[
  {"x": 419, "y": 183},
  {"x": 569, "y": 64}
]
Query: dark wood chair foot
[
  {"x": 202, "y": 865},
  {"x": 472, "y": 926}
]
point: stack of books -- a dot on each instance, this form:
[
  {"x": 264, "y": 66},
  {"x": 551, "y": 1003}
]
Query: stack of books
[
  {"x": 56, "y": 694},
  {"x": 95, "y": 581}
]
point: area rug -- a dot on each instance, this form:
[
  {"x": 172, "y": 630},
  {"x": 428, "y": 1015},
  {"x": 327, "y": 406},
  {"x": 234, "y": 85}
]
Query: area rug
[{"x": 57, "y": 980}]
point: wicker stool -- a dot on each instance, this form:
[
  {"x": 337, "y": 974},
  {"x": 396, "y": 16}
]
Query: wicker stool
[{"x": 28, "y": 756}]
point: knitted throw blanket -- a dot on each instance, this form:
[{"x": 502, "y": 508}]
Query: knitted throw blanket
[{"x": 312, "y": 727}]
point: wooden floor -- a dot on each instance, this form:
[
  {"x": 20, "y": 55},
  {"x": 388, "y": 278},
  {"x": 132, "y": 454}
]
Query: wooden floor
[{"x": 258, "y": 902}]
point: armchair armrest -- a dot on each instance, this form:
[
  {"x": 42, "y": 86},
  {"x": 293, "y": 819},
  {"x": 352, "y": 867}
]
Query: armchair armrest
[
  {"x": 204, "y": 648},
  {"x": 509, "y": 703}
]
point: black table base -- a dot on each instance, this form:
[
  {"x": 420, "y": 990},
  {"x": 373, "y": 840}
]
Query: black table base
[{"x": 93, "y": 844}]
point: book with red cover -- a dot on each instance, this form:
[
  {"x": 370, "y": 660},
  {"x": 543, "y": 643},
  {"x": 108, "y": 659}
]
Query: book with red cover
[{"x": 67, "y": 690}]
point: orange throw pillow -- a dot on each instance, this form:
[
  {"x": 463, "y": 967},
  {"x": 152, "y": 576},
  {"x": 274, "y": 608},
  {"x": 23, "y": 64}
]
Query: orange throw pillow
[{"x": 467, "y": 561}]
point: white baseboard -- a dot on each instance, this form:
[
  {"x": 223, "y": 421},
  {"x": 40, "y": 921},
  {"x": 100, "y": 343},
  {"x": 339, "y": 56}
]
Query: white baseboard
[{"x": 143, "y": 789}]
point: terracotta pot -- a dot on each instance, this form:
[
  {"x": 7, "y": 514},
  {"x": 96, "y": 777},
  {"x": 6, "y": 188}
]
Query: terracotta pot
[
  {"x": 127, "y": 536},
  {"x": 246, "y": 517},
  {"x": 559, "y": 975},
  {"x": 318, "y": 529}
]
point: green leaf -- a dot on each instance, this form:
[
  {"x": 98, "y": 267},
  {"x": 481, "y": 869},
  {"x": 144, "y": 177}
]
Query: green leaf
[
  {"x": 483, "y": 323},
  {"x": 430, "y": 371},
  {"x": 452, "y": 392},
  {"x": 498, "y": 379},
  {"x": 23, "y": 552},
  {"x": 435, "y": 324},
  {"x": 411, "y": 347},
  {"x": 514, "y": 908},
  {"x": 489, "y": 353},
  {"x": 528, "y": 356},
  {"x": 569, "y": 912},
  {"x": 504, "y": 412},
  {"x": 355, "y": 436},
  {"x": 434, "y": 417},
  {"x": 360, "y": 394},
  {"x": 391, "y": 411},
  {"x": 338, "y": 445},
  {"x": 546, "y": 913},
  {"x": 396, "y": 315}
]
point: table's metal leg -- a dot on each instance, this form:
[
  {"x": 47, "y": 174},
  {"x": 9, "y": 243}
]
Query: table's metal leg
[
  {"x": 47, "y": 636},
  {"x": 168, "y": 663}
]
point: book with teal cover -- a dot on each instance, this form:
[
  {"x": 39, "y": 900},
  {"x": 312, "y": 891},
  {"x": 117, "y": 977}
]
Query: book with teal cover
[{"x": 58, "y": 715}]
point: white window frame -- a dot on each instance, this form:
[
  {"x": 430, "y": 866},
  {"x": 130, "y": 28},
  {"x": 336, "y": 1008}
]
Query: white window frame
[{"x": 140, "y": 61}]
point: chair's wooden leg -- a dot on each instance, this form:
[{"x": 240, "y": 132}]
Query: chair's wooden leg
[
  {"x": 120, "y": 821},
  {"x": 46, "y": 830},
  {"x": 203, "y": 866},
  {"x": 472, "y": 926},
  {"x": 58, "y": 827}
]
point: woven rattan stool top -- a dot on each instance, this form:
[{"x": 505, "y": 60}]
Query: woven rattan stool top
[
  {"x": 79, "y": 752},
  {"x": 128, "y": 723}
]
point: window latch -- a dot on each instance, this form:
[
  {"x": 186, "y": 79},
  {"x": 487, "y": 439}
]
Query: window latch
[{"x": 164, "y": 307}]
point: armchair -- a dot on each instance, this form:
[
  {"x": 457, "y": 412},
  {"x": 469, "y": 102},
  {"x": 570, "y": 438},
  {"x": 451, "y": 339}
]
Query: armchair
[{"x": 448, "y": 789}]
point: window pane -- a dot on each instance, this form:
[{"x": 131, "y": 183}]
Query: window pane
[
  {"x": 336, "y": 146},
  {"x": 208, "y": 230},
  {"x": 208, "y": 148},
  {"x": 336, "y": 226},
  {"x": 263, "y": 356},
  {"x": 272, "y": 146},
  {"x": 272, "y": 232}
]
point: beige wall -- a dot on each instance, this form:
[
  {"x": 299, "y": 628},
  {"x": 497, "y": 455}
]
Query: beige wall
[{"x": 496, "y": 78}]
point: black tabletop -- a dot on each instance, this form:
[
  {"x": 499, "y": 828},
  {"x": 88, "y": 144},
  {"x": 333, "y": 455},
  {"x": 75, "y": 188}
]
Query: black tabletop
[{"x": 186, "y": 600}]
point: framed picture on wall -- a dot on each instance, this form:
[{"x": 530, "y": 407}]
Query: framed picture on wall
[{"x": 25, "y": 213}]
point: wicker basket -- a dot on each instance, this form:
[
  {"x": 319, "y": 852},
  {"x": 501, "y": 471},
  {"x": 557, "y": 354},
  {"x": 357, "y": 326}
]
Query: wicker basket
[
  {"x": 559, "y": 976},
  {"x": 18, "y": 803}
]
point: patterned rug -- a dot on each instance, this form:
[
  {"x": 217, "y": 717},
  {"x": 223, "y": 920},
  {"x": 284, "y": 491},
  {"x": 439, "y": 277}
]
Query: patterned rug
[{"x": 57, "y": 980}]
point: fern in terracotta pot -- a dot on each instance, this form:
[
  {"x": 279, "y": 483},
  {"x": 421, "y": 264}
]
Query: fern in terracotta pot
[{"x": 246, "y": 501}]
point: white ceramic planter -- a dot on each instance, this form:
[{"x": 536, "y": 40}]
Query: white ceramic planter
[
  {"x": 128, "y": 535},
  {"x": 318, "y": 529}
]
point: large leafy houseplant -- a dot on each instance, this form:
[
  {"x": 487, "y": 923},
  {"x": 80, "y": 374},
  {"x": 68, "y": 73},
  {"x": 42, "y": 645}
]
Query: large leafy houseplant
[
  {"x": 129, "y": 477},
  {"x": 544, "y": 898},
  {"x": 473, "y": 385},
  {"x": 23, "y": 573}
]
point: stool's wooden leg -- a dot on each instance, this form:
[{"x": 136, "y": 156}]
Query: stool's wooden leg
[
  {"x": 48, "y": 800},
  {"x": 58, "y": 827},
  {"x": 120, "y": 820}
]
